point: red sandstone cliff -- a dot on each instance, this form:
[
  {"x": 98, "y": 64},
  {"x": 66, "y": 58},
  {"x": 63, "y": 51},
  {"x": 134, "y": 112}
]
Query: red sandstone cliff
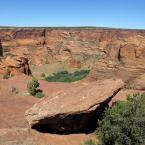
[{"x": 89, "y": 46}]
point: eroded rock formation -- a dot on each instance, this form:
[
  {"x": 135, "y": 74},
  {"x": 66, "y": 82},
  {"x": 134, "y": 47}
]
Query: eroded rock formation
[
  {"x": 109, "y": 47},
  {"x": 16, "y": 63},
  {"x": 71, "y": 109}
]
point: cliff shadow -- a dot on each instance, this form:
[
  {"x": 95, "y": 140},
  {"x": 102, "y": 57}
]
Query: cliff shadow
[{"x": 1, "y": 49}]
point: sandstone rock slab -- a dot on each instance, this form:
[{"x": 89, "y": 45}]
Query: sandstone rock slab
[{"x": 72, "y": 108}]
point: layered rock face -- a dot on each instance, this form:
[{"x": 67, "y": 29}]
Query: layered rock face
[
  {"x": 71, "y": 109},
  {"x": 109, "y": 47},
  {"x": 16, "y": 63}
]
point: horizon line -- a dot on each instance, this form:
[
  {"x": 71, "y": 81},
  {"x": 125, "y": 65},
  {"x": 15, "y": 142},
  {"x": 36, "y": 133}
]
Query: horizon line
[{"x": 69, "y": 27}]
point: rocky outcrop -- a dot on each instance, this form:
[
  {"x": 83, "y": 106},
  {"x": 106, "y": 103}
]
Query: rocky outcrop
[
  {"x": 91, "y": 47},
  {"x": 138, "y": 83},
  {"x": 15, "y": 63},
  {"x": 71, "y": 109},
  {"x": 123, "y": 95}
]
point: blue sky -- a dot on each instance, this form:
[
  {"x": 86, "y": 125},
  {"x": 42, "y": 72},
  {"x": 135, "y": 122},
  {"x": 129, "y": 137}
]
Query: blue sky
[{"x": 101, "y": 13}]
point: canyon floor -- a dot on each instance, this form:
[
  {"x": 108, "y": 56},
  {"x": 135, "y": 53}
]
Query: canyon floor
[{"x": 14, "y": 130}]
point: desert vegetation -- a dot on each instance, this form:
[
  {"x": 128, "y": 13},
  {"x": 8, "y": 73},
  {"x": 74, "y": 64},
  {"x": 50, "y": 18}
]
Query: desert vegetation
[
  {"x": 7, "y": 76},
  {"x": 33, "y": 90},
  {"x": 123, "y": 124},
  {"x": 65, "y": 76},
  {"x": 90, "y": 142}
]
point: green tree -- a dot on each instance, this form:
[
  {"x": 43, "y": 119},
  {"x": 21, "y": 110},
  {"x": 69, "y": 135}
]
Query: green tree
[
  {"x": 32, "y": 86},
  {"x": 124, "y": 123}
]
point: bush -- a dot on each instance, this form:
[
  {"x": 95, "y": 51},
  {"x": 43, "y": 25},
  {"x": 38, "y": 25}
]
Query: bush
[
  {"x": 43, "y": 75},
  {"x": 90, "y": 142},
  {"x": 40, "y": 94},
  {"x": 14, "y": 90},
  {"x": 33, "y": 90},
  {"x": 6, "y": 76},
  {"x": 32, "y": 86},
  {"x": 124, "y": 123},
  {"x": 65, "y": 76}
]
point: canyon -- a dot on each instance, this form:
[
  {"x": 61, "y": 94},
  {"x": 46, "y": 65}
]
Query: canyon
[
  {"x": 115, "y": 58},
  {"x": 88, "y": 46}
]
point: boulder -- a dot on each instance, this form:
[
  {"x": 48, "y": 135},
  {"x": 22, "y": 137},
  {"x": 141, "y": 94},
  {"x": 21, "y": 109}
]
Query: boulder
[{"x": 70, "y": 110}]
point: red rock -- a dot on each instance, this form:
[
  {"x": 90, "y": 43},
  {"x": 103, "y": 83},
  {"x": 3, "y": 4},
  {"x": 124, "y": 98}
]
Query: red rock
[
  {"x": 84, "y": 45},
  {"x": 74, "y": 63},
  {"x": 16, "y": 63},
  {"x": 70, "y": 109}
]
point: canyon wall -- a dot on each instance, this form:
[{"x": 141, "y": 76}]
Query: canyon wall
[{"x": 95, "y": 46}]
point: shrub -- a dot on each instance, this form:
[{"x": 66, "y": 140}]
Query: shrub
[
  {"x": 65, "y": 76},
  {"x": 43, "y": 75},
  {"x": 14, "y": 90},
  {"x": 40, "y": 94},
  {"x": 33, "y": 90},
  {"x": 124, "y": 123},
  {"x": 6, "y": 76},
  {"x": 90, "y": 142},
  {"x": 32, "y": 86}
]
